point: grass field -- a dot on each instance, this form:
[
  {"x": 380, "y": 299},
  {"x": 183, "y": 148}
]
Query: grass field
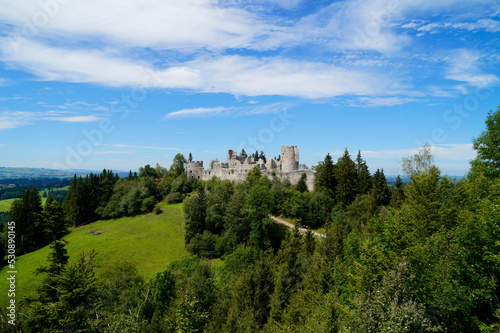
[
  {"x": 5, "y": 205},
  {"x": 150, "y": 241}
]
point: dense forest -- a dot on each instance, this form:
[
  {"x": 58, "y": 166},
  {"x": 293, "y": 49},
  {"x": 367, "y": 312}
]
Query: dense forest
[{"x": 423, "y": 256}]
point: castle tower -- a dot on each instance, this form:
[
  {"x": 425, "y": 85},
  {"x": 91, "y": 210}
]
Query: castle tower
[
  {"x": 231, "y": 154},
  {"x": 289, "y": 158}
]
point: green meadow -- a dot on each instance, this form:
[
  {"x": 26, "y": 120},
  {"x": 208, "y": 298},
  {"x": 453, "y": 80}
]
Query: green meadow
[
  {"x": 150, "y": 241},
  {"x": 5, "y": 205}
]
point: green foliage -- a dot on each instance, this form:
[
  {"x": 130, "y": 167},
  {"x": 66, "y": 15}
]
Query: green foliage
[
  {"x": 178, "y": 166},
  {"x": 345, "y": 174},
  {"x": 174, "y": 197},
  {"x": 121, "y": 288},
  {"x": 420, "y": 162},
  {"x": 363, "y": 179},
  {"x": 27, "y": 213},
  {"x": 301, "y": 184},
  {"x": 70, "y": 303},
  {"x": 203, "y": 245},
  {"x": 487, "y": 146},
  {"x": 380, "y": 191},
  {"x": 326, "y": 176},
  {"x": 195, "y": 212}
]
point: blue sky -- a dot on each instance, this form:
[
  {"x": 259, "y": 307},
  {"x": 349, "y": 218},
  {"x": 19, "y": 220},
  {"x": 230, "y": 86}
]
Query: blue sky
[{"x": 120, "y": 84}]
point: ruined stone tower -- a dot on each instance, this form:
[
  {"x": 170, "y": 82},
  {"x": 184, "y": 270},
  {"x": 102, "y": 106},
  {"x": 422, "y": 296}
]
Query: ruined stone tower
[
  {"x": 238, "y": 166},
  {"x": 289, "y": 158}
]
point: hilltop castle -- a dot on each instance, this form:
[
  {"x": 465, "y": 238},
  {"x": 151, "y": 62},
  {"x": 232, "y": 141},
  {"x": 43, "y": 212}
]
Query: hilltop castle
[{"x": 238, "y": 166}]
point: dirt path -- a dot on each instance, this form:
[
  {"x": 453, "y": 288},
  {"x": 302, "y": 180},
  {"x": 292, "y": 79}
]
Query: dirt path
[{"x": 291, "y": 226}]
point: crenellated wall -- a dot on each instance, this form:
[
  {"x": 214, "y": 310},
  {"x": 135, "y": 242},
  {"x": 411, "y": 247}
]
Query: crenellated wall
[{"x": 237, "y": 167}]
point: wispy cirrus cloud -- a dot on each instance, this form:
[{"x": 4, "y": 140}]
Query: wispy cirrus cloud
[
  {"x": 12, "y": 98},
  {"x": 455, "y": 152},
  {"x": 465, "y": 66},
  {"x": 226, "y": 111},
  {"x": 74, "y": 119},
  {"x": 197, "y": 112},
  {"x": 14, "y": 119},
  {"x": 380, "y": 101},
  {"x": 143, "y": 147}
]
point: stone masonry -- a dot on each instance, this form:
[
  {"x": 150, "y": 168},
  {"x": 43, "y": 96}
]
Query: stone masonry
[{"x": 237, "y": 167}]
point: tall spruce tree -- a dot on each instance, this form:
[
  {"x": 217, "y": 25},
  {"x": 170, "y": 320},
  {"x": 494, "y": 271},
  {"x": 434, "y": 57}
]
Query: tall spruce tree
[
  {"x": 346, "y": 179},
  {"x": 326, "y": 176},
  {"x": 364, "y": 180},
  {"x": 27, "y": 213},
  {"x": 195, "y": 212},
  {"x": 381, "y": 192}
]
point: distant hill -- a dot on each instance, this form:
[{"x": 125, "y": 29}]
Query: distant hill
[{"x": 11, "y": 175}]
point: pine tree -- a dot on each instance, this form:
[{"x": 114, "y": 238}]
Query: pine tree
[
  {"x": 262, "y": 156},
  {"x": 381, "y": 192},
  {"x": 54, "y": 220},
  {"x": 398, "y": 194},
  {"x": 346, "y": 180},
  {"x": 326, "y": 176},
  {"x": 364, "y": 180},
  {"x": 243, "y": 153},
  {"x": 190, "y": 159},
  {"x": 195, "y": 212},
  {"x": 302, "y": 184},
  {"x": 130, "y": 176}
]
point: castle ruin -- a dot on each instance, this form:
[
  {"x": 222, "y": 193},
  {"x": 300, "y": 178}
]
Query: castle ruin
[{"x": 237, "y": 167}]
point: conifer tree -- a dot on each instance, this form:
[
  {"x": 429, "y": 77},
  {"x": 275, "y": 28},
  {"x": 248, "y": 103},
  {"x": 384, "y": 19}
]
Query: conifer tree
[
  {"x": 346, "y": 179},
  {"x": 301, "y": 184},
  {"x": 381, "y": 193},
  {"x": 195, "y": 212},
  {"x": 325, "y": 179},
  {"x": 364, "y": 181},
  {"x": 54, "y": 220}
]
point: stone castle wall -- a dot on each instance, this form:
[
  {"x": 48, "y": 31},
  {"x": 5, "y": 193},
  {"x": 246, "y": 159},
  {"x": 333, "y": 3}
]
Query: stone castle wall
[{"x": 237, "y": 167}]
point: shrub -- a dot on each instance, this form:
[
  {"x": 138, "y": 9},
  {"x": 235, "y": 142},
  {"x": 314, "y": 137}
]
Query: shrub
[{"x": 174, "y": 197}]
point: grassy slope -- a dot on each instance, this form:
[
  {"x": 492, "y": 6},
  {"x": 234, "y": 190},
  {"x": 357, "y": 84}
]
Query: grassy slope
[
  {"x": 5, "y": 205},
  {"x": 150, "y": 241}
]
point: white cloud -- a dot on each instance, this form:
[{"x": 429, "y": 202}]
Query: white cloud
[
  {"x": 112, "y": 152},
  {"x": 56, "y": 64},
  {"x": 241, "y": 75},
  {"x": 465, "y": 67},
  {"x": 429, "y": 27},
  {"x": 455, "y": 152},
  {"x": 196, "y": 112},
  {"x": 187, "y": 24},
  {"x": 488, "y": 25},
  {"x": 144, "y": 147},
  {"x": 380, "y": 101},
  {"x": 14, "y": 119},
  {"x": 12, "y": 98},
  {"x": 74, "y": 119},
  {"x": 224, "y": 111}
]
